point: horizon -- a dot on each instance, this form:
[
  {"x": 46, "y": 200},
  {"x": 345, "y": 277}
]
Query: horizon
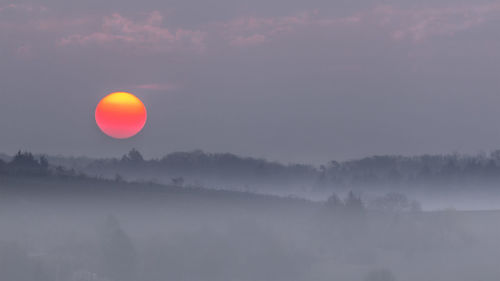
[{"x": 316, "y": 165}]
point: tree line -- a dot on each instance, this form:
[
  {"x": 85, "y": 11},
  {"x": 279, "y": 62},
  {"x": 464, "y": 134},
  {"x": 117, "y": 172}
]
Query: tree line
[
  {"x": 451, "y": 169},
  {"x": 448, "y": 169},
  {"x": 26, "y": 164}
]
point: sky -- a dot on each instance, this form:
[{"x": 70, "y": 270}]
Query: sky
[{"x": 293, "y": 81}]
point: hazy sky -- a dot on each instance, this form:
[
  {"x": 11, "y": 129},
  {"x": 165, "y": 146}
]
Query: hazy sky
[{"x": 306, "y": 81}]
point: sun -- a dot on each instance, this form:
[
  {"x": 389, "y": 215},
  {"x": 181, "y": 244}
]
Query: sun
[{"x": 120, "y": 115}]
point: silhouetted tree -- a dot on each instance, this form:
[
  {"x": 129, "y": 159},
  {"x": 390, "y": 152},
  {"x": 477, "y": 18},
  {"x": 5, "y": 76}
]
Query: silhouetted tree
[
  {"x": 334, "y": 203},
  {"x": 25, "y": 164},
  {"x": 118, "y": 255},
  {"x": 380, "y": 275},
  {"x": 3, "y": 167},
  {"x": 44, "y": 163},
  {"x": 179, "y": 181},
  {"x": 133, "y": 156},
  {"x": 353, "y": 203},
  {"x": 394, "y": 202},
  {"x": 16, "y": 265},
  {"x": 119, "y": 178}
]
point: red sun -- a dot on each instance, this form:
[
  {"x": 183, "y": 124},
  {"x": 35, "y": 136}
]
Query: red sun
[{"x": 120, "y": 115}]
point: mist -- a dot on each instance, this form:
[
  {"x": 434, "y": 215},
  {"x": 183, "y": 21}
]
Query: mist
[{"x": 61, "y": 224}]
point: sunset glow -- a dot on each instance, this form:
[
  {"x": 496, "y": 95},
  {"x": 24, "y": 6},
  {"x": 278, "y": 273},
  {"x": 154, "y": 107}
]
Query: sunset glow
[{"x": 120, "y": 115}]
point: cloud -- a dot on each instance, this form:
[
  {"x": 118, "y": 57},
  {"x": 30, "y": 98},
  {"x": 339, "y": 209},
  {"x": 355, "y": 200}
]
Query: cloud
[
  {"x": 61, "y": 25},
  {"x": 415, "y": 25},
  {"x": 251, "y": 31},
  {"x": 157, "y": 87},
  {"x": 119, "y": 31},
  {"x": 24, "y": 51},
  {"x": 150, "y": 35},
  {"x": 421, "y": 24},
  {"x": 251, "y": 40},
  {"x": 25, "y": 7}
]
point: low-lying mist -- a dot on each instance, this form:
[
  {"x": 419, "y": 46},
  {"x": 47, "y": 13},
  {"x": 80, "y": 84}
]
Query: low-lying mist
[
  {"x": 60, "y": 224},
  {"x": 83, "y": 229}
]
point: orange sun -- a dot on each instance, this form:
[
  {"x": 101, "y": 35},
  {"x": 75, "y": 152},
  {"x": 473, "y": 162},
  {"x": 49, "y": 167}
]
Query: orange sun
[{"x": 120, "y": 115}]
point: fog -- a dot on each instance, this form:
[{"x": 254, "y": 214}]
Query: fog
[
  {"x": 58, "y": 223},
  {"x": 82, "y": 230}
]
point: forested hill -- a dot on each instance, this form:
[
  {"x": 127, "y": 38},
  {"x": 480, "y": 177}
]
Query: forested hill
[
  {"x": 196, "y": 167},
  {"x": 28, "y": 178},
  {"x": 436, "y": 170},
  {"x": 227, "y": 170}
]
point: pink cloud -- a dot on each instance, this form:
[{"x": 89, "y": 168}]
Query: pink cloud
[
  {"x": 418, "y": 25},
  {"x": 251, "y": 31},
  {"x": 251, "y": 40},
  {"x": 23, "y": 7},
  {"x": 150, "y": 35},
  {"x": 24, "y": 51},
  {"x": 61, "y": 24},
  {"x": 399, "y": 24}
]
